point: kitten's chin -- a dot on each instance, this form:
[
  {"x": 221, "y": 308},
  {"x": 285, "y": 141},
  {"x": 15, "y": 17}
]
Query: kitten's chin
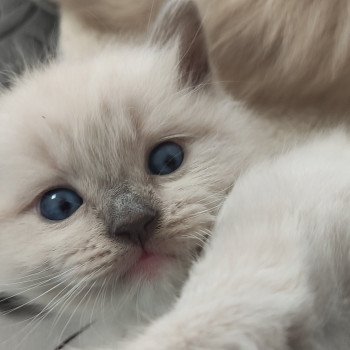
[
  {"x": 149, "y": 267},
  {"x": 137, "y": 269},
  {"x": 149, "y": 280}
]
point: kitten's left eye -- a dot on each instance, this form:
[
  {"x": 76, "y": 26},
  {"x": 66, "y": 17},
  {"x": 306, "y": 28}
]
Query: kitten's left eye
[
  {"x": 59, "y": 204},
  {"x": 165, "y": 158}
]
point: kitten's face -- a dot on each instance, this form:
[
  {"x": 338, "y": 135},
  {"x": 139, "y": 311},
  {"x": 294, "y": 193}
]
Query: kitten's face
[{"x": 90, "y": 127}]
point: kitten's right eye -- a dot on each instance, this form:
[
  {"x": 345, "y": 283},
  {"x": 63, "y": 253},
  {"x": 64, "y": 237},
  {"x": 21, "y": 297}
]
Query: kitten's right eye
[{"x": 59, "y": 204}]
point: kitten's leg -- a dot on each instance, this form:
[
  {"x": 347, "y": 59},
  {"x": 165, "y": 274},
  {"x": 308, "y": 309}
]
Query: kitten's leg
[
  {"x": 276, "y": 274},
  {"x": 249, "y": 291}
]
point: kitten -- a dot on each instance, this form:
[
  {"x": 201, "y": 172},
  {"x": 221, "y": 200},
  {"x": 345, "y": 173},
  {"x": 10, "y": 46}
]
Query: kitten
[
  {"x": 270, "y": 53},
  {"x": 289, "y": 288},
  {"x": 112, "y": 170},
  {"x": 275, "y": 275}
]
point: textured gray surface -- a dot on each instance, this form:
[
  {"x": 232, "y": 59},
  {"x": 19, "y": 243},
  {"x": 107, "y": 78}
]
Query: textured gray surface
[{"x": 28, "y": 34}]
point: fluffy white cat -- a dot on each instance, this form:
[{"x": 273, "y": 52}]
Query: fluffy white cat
[
  {"x": 275, "y": 275},
  {"x": 112, "y": 170}
]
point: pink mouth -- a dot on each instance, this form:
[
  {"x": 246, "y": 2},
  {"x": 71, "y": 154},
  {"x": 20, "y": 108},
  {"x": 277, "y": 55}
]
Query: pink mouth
[{"x": 148, "y": 265}]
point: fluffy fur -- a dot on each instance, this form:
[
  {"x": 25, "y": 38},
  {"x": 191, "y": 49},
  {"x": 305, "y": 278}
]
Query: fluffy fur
[
  {"x": 89, "y": 124},
  {"x": 288, "y": 53},
  {"x": 278, "y": 262}
]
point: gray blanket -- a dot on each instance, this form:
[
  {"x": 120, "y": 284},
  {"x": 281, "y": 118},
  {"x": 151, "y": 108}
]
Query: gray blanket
[{"x": 28, "y": 35}]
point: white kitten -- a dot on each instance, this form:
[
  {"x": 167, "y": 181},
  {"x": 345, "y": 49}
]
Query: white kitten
[
  {"x": 112, "y": 171},
  {"x": 276, "y": 273}
]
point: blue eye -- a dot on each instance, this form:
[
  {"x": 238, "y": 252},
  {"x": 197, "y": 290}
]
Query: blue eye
[
  {"x": 59, "y": 204},
  {"x": 165, "y": 158}
]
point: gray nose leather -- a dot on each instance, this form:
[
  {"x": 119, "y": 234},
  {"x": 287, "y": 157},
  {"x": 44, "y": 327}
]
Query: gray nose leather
[{"x": 135, "y": 219}]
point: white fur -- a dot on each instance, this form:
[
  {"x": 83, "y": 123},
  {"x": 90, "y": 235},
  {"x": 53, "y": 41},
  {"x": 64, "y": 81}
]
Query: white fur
[
  {"x": 90, "y": 123},
  {"x": 276, "y": 274},
  {"x": 271, "y": 53}
]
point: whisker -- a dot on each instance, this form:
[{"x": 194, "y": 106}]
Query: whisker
[
  {"x": 78, "y": 305},
  {"x": 41, "y": 284}
]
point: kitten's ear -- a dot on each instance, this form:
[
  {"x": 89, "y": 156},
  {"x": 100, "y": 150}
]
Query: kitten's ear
[{"x": 180, "y": 19}]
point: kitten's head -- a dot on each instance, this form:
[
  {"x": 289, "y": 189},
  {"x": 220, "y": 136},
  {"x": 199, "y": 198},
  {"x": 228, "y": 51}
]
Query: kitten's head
[{"x": 112, "y": 169}]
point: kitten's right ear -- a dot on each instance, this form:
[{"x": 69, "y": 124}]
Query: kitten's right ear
[{"x": 180, "y": 19}]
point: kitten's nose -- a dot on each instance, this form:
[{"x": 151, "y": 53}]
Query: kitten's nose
[{"x": 137, "y": 222}]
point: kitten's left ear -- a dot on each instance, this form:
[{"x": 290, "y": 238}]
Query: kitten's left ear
[{"x": 180, "y": 19}]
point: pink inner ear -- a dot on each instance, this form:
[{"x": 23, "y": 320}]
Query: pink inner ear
[{"x": 180, "y": 20}]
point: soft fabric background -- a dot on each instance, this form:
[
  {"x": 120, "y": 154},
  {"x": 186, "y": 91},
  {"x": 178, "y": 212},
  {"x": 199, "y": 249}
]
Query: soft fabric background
[{"x": 28, "y": 34}]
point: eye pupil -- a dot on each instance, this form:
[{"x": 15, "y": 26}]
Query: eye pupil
[
  {"x": 59, "y": 204},
  {"x": 65, "y": 206},
  {"x": 170, "y": 162},
  {"x": 165, "y": 158}
]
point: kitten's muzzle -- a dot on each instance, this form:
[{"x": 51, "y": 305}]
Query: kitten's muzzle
[{"x": 135, "y": 220}]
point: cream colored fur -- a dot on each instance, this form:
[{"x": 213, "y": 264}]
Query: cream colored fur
[
  {"x": 276, "y": 273},
  {"x": 89, "y": 123},
  {"x": 287, "y": 53}
]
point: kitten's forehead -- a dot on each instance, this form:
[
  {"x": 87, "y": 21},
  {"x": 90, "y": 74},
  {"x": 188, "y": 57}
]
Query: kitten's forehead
[{"x": 101, "y": 117}]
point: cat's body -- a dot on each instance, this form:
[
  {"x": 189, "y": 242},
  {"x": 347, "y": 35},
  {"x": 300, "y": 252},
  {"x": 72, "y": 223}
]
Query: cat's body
[
  {"x": 90, "y": 125},
  {"x": 276, "y": 273},
  {"x": 271, "y": 53}
]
